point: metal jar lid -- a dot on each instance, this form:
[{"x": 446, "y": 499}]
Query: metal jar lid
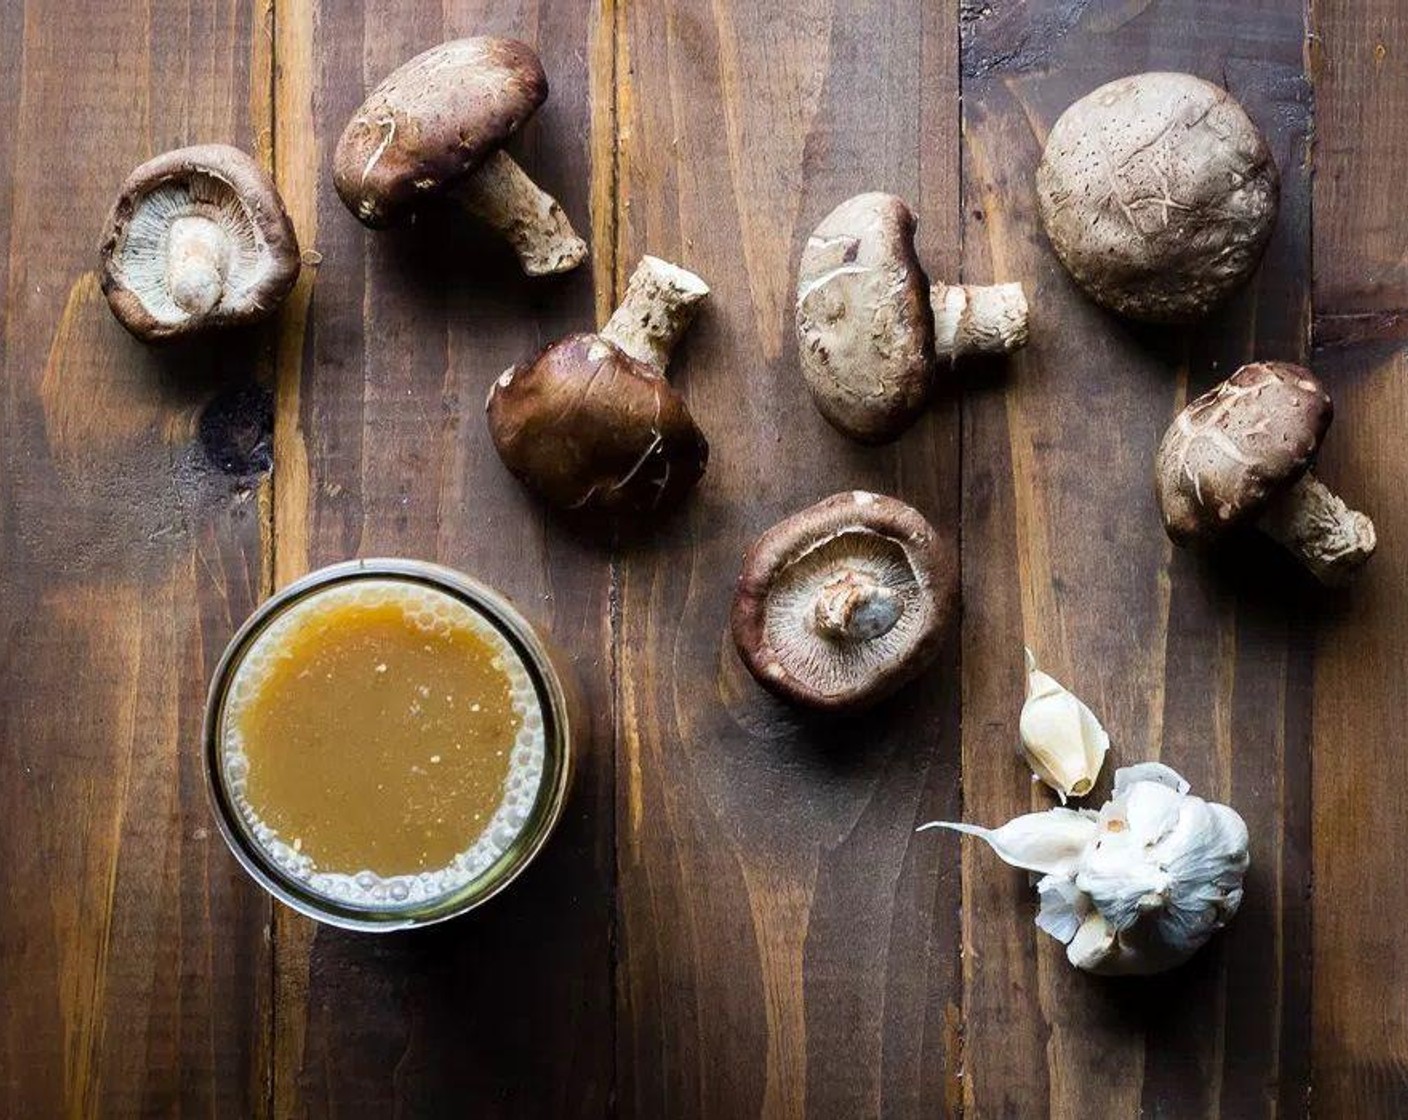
[{"x": 560, "y": 724}]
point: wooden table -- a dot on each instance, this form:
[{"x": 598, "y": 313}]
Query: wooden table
[{"x": 737, "y": 917}]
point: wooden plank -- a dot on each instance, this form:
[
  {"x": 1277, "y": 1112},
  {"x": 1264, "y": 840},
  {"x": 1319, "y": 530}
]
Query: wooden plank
[
  {"x": 382, "y": 450},
  {"x": 1204, "y": 663},
  {"x": 132, "y": 951},
  {"x": 786, "y": 942},
  {"x": 1360, "y": 62}
]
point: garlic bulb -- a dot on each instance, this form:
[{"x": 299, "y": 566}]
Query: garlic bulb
[
  {"x": 1063, "y": 741},
  {"x": 1139, "y": 886}
]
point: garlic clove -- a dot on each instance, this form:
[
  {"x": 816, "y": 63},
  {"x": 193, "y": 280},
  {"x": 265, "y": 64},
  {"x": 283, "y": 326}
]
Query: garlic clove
[
  {"x": 1122, "y": 883},
  {"x": 1048, "y": 843},
  {"x": 1144, "y": 813},
  {"x": 1063, "y": 907},
  {"x": 1127, "y": 776},
  {"x": 1062, "y": 740},
  {"x": 1093, "y": 945}
]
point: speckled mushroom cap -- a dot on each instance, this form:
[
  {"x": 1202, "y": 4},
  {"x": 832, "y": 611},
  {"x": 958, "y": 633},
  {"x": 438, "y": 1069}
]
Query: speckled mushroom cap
[
  {"x": 1159, "y": 194},
  {"x": 841, "y": 604},
  {"x": 433, "y": 121},
  {"x": 863, "y": 318},
  {"x": 591, "y": 428},
  {"x": 1231, "y": 451},
  {"x": 212, "y": 183}
]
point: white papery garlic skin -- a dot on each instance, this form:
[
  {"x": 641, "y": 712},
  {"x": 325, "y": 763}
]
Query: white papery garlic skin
[
  {"x": 1062, "y": 740},
  {"x": 1138, "y": 887}
]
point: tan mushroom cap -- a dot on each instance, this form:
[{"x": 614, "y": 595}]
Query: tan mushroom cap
[
  {"x": 211, "y": 201},
  {"x": 591, "y": 428},
  {"x": 844, "y": 602},
  {"x": 1159, "y": 195},
  {"x": 432, "y": 121},
  {"x": 863, "y": 318},
  {"x": 1234, "y": 449}
]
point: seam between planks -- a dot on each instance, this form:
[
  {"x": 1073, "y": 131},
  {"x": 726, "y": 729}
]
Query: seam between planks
[
  {"x": 959, "y": 1059},
  {"x": 266, "y": 15},
  {"x": 1309, "y": 40},
  {"x": 615, "y": 288}
]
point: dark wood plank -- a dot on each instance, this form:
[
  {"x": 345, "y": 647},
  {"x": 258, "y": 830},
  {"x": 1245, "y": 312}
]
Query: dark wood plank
[
  {"x": 1204, "y": 664},
  {"x": 382, "y": 450},
  {"x": 786, "y": 943},
  {"x": 1360, "y": 62},
  {"x": 132, "y": 950}
]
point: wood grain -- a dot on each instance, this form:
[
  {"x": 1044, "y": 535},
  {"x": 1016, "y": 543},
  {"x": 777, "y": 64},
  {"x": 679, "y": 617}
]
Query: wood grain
[
  {"x": 1201, "y": 662},
  {"x": 786, "y": 942},
  {"x": 1360, "y": 60},
  {"x": 131, "y": 951},
  {"x": 382, "y": 450}
]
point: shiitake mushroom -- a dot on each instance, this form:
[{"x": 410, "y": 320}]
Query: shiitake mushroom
[
  {"x": 1159, "y": 195},
  {"x": 845, "y": 601},
  {"x": 436, "y": 126},
  {"x": 591, "y": 423},
  {"x": 1241, "y": 455}
]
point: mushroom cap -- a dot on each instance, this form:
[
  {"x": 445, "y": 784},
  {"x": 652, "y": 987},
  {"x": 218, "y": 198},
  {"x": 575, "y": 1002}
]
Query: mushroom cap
[
  {"x": 432, "y": 121},
  {"x": 211, "y": 181},
  {"x": 1159, "y": 194},
  {"x": 589, "y": 427},
  {"x": 1231, "y": 451},
  {"x": 863, "y": 318},
  {"x": 778, "y": 624}
]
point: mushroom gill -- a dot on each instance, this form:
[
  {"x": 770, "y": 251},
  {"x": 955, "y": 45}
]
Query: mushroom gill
[
  {"x": 189, "y": 237},
  {"x": 845, "y": 601},
  {"x": 832, "y": 656}
]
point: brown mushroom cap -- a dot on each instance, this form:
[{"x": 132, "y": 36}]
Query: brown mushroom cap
[
  {"x": 433, "y": 121},
  {"x": 863, "y": 318},
  {"x": 1159, "y": 194},
  {"x": 589, "y": 427},
  {"x": 1234, "y": 449},
  {"x": 224, "y": 201},
  {"x": 839, "y": 605}
]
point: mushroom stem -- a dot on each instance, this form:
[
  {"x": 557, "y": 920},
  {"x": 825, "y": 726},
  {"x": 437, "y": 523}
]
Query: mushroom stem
[
  {"x": 1314, "y": 523},
  {"x": 197, "y": 259},
  {"x": 658, "y": 307},
  {"x": 501, "y": 194},
  {"x": 853, "y": 607},
  {"x": 978, "y": 319}
]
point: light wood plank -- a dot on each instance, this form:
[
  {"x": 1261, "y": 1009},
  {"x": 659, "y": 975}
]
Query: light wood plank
[
  {"x": 132, "y": 950},
  {"x": 786, "y": 942},
  {"x": 382, "y": 450},
  {"x": 1201, "y": 662}
]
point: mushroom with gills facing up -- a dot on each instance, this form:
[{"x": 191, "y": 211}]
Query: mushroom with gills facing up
[
  {"x": 437, "y": 126},
  {"x": 1159, "y": 195},
  {"x": 591, "y": 423},
  {"x": 197, "y": 239},
  {"x": 844, "y": 602},
  {"x": 873, "y": 332},
  {"x": 1241, "y": 454}
]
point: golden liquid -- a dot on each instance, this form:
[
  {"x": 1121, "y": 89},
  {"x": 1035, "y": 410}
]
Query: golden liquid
[{"x": 377, "y": 744}]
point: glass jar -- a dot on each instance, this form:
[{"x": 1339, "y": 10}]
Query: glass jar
[{"x": 503, "y": 849}]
